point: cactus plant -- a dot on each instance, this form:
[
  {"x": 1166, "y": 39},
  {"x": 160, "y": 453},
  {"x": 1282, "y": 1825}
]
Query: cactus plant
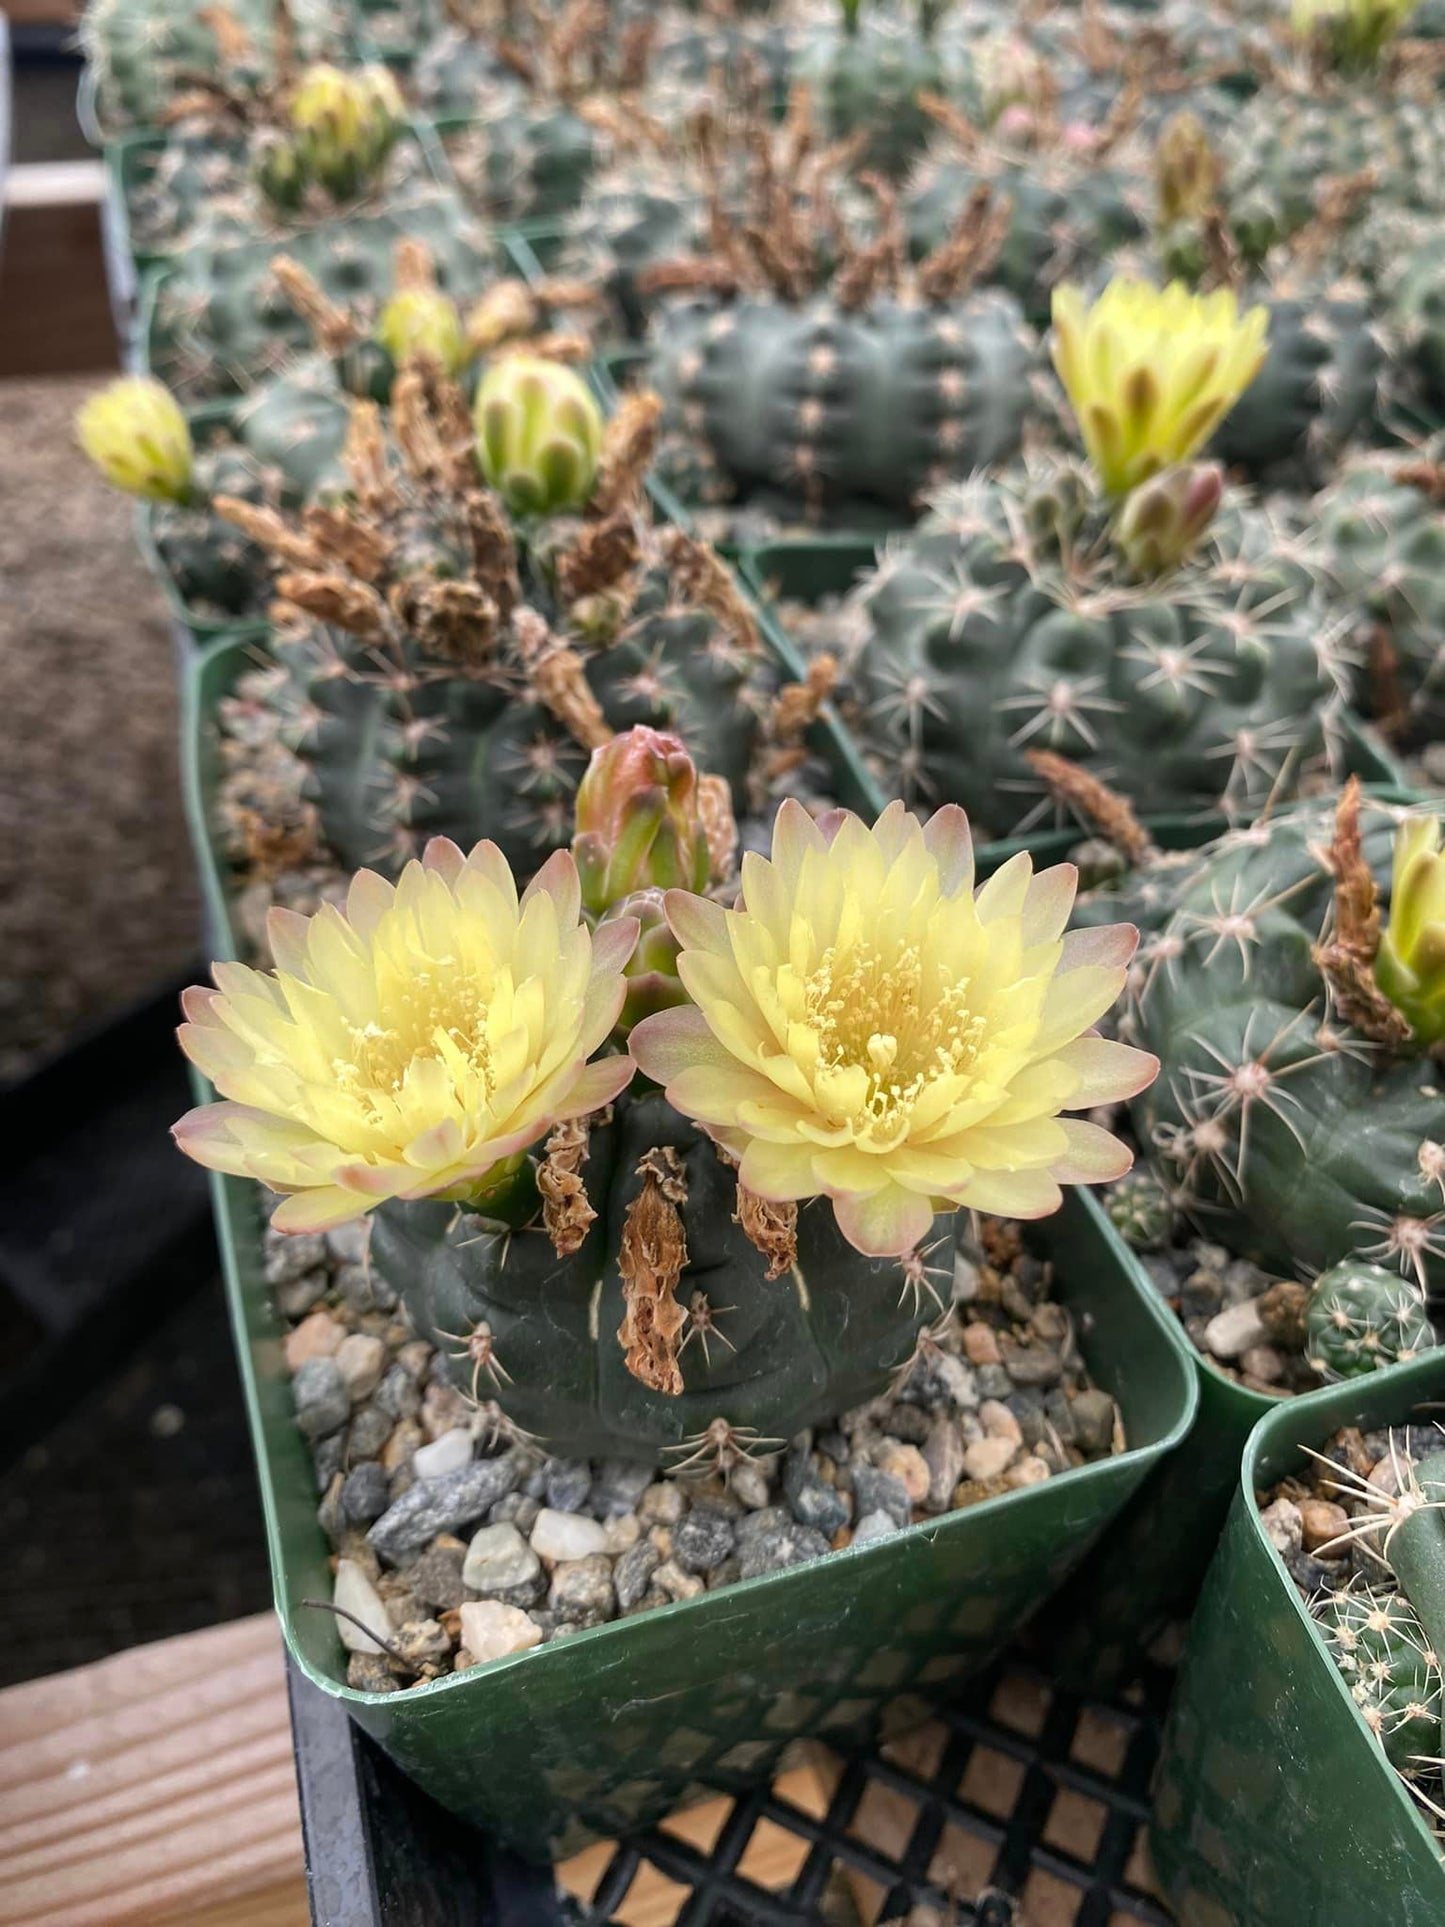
[
  {"x": 563, "y": 1283},
  {"x": 1361, "y": 1317},
  {"x": 1142, "y": 1211},
  {"x": 144, "y": 57},
  {"x": 1297, "y": 1113},
  {"x": 869, "y": 77},
  {"x": 506, "y": 663},
  {"x": 1376, "y": 1640}
]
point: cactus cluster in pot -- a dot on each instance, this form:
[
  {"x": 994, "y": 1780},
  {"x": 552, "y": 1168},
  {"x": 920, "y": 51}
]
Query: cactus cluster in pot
[{"x": 844, "y": 1047}]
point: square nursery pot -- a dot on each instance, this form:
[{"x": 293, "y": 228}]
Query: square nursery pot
[
  {"x": 1274, "y": 1805},
  {"x": 617, "y": 1726},
  {"x": 808, "y": 571}
]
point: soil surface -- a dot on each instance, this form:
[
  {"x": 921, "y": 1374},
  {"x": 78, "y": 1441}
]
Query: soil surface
[{"x": 98, "y": 900}]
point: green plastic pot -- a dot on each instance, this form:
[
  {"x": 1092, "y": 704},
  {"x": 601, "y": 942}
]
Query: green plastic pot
[
  {"x": 617, "y": 1726},
  {"x": 1274, "y": 1806},
  {"x": 807, "y": 571}
]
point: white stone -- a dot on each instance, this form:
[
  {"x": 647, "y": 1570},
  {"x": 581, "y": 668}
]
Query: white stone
[
  {"x": 1235, "y": 1329},
  {"x": 566, "y": 1535},
  {"x": 986, "y": 1458},
  {"x": 999, "y": 1422},
  {"x": 491, "y": 1630},
  {"x": 354, "y": 1593},
  {"x": 498, "y": 1559},
  {"x": 449, "y": 1453},
  {"x": 361, "y": 1360}
]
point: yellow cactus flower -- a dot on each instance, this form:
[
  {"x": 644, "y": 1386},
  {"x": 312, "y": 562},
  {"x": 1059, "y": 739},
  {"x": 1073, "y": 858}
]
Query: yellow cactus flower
[
  {"x": 866, "y": 1027},
  {"x": 1410, "y": 964},
  {"x": 136, "y": 435},
  {"x": 1152, "y": 372},
  {"x": 413, "y": 1044},
  {"x": 346, "y": 123}
]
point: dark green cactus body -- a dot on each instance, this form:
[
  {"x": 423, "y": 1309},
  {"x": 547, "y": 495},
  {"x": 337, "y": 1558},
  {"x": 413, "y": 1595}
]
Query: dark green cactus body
[
  {"x": 1317, "y": 390},
  {"x": 517, "y": 161},
  {"x": 222, "y": 322},
  {"x": 1210, "y": 686},
  {"x": 881, "y": 402},
  {"x": 1416, "y": 1549},
  {"x": 458, "y": 73},
  {"x": 867, "y": 81},
  {"x": 1385, "y": 1658},
  {"x": 1384, "y": 546},
  {"x": 143, "y": 54},
  {"x": 1065, "y": 214},
  {"x": 1361, "y": 1317},
  {"x": 399, "y": 747},
  {"x": 1292, "y": 1139},
  {"x": 785, "y": 1353},
  {"x": 1416, "y": 290}
]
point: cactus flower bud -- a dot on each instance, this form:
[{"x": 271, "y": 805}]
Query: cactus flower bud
[
  {"x": 1186, "y": 170},
  {"x": 650, "y": 978},
  {"x": 137, "y": 437},
  {"x": 539, "y": 433},
  {"x": 1351, "y": 33},
  {"x": 1410, "y": 964},
  {"x": 346, "y": 124},
  {"x": 1161, "y": 521},
  {"x": 278, "y": 167},
  {"x": 639, "y": 820},
  {"x": 422, "y": 324},
  {"x": 1152, "y": 372}
]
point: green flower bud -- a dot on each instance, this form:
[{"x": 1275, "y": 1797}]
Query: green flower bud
[
  {"x": 539, "y": 434},
  {"x": 1161, "y": 522},
  {"x": 422, "y": 324},
  {"x": 346, "y": 124},
  {"x": 639, "y": 820}
]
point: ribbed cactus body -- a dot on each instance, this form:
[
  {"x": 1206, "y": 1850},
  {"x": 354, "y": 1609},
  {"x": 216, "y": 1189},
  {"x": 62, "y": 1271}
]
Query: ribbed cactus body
[
  {"x": 1361, "y": 1317},
  {"x": 1210, "y": 685},
  {"x": 1297, "y": 1142},
  {"x": 1318, "y": 389},
  {"x": 222, "y": 322},
  {"x": 1066, "y": 213},
  {"x": 1385, "y": 1658},
  {"x": 867, "y": 83},
  {"x": 520, "y": 161},
  {"x": 398, "y": 746},
  {"x": 881, "y": 402},
  {"x": 1416, "y": 290},
  {"x": 785, "y": 1353},
  {"x": 143, "y": 53},
  {"x": 1384, "y": 546}
]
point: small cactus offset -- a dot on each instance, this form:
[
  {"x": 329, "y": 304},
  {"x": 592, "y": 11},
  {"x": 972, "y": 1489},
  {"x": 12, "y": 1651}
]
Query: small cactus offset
[
  {"x": 1297, "y": 1115},
  {"x": 1385, "y": 1658},
  {"x": 1142, "y": 1211},
  {"x": 1361, "y": 1317},
  {"x": 558, "y": 1227}
]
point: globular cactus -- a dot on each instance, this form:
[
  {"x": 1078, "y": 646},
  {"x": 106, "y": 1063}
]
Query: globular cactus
[
  {"x": 1297, "y": 1114},
  {"x": 515, "y": 161},
  {"x": 1009, "y": 621},
  {"x": 505, "y": 664},
  {"x": 1361, "y": 1317},
  {"x": 824, "y": 402},
  {"x": 223, "y": 320},
  {"x": 145, "y": 57},
  {"x": 869, "y": 77},
  {"x": 1142, "y": 1211},
  {"x": 1382, "y": 541},
  {"x": 1384, "y": 1656},
  {"x": 1415, "y": 290}
]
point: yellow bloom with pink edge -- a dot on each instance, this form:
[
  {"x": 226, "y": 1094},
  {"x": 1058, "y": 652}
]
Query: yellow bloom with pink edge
[
  {"x": 409, "y": 1046},
  {"x": 867, "y": 1026}
]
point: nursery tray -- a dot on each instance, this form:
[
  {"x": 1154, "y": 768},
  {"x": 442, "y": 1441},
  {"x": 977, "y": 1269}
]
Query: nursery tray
[
  {"x": 1017, "y": 1804},
  {"x": 1274, "y": 1806},
  {"x": 806, "y": 571}
]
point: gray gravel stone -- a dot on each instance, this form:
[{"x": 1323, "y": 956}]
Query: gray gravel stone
[
  {"x": 874, "y": 1525},
  {"x": 288, "y": 1256},
  {"x": 323, "y": 1403},
  {"x": 398, "y": 1393},
  {"x": 329, "y": 1455},
  {"x": 993, "y": 1382},
  {"x": 1093, "y": 1415},
  {"x": 1030, "y": 1364},
  {"x": 297, "y": 1296},
  {"x": 814, "y": 1502},
  {"x": 569, "y": 1484},
  {"x": 498, "y": 1561},
  {"x": 440, "y": 1505},
  {"x": 877, "y": 1491},
  {"x": 516, "y": 1509},
  {"x": 365, "y": 1494},
  {"x": 436, "y": 1577},
  {"x": 702, "y": 1540},
  {"x": 619, "y": 1484},
  {"x": 583, "y": 1586},
  {"x": 370, "y": 1430},
  {"x": 943, "y": 1455},
  {"x": 632, "y": 1575},
  {"x": 788, "y": 1544}
]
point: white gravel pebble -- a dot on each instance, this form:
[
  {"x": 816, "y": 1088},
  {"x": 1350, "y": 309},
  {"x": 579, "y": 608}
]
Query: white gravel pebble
[
  {"x": 491, "y": 1630},
  {"x": 354, "y": 1593},
  {"x": 566, "y": 1535},
  {"x": 449, "y": 1453}
]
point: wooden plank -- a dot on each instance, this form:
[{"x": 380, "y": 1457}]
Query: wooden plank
[
  {"x": 55, "y": 313},
  {"x": 155, "y": 1786}
]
